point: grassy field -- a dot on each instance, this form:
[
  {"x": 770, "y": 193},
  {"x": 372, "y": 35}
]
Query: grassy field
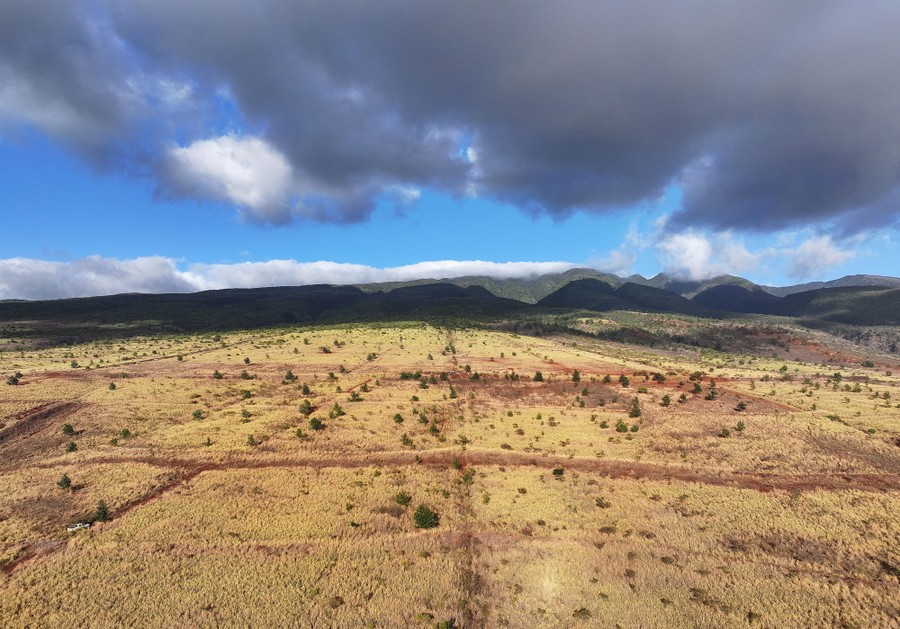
[{"x": 276, "y": 478}]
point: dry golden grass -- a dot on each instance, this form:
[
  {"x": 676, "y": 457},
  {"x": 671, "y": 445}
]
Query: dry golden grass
[{"x": 229, "y": 509}]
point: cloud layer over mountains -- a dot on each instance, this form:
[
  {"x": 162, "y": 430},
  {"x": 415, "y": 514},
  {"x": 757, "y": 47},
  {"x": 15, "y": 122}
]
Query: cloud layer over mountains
[{"x": 767, "y": 114}]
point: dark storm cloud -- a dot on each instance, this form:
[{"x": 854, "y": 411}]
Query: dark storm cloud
[
  {"x": 59, "y": 72},
  {"x": 768, "y": 114}
]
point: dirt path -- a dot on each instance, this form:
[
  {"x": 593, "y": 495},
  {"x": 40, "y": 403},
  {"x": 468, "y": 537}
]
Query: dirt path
[
  {"x": 185, "y": 470},
  {"x": 32, "y": 421},
  {"x": 611, "y": 468}
]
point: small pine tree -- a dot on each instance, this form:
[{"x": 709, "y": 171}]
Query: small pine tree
[
  {"x": 576, "y": 377},
  {"x": 402, "y": 498},
  {"x": 65, "y": 482},
  {"x": 102, "y": 514},
  {"x": 635, "y": 408},
  {"x": 68, "y": 429},
  {"x": 425, "y": 518}
]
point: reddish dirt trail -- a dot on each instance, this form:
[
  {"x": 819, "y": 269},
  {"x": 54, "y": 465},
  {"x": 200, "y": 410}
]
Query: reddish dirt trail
[
  {"x": 34, "y": 420},
  {"x": 605, "y": 467},
  {"x": 185, "y": 470}
]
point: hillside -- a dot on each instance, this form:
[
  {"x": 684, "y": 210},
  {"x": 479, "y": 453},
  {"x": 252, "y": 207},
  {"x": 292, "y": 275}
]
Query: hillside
[
  {"x": 734, "y": 298},
  {"x": 855, "y": 305},
  {"x": 72, "y": 319},
  {"x": 528, "y": 290},
  {"x": 843, "y": 282},
  {"x": 689, "y": 288},
  {"x": 590, "y": 294}
]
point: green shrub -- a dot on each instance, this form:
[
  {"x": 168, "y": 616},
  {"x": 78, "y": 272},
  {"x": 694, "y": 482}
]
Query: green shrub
[
  {"x": 336, "y": 411},
  {"x": 402, "y": 498},
  {"x": 635, "y": 408},
  {"x": 582, "y": 613},
  {"x": 425, "y": 518}
]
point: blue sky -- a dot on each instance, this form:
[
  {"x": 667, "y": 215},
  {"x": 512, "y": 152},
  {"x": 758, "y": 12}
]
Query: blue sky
[{"x": 154, "y": 161}]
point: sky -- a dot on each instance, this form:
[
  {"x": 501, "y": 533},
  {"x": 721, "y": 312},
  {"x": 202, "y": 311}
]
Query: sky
[{"x": 170, "y": 146}]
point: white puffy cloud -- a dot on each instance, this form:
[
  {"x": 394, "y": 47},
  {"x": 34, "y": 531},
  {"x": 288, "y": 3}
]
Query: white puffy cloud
[
  {"x": 291, "y": 272},
  {"x": 243, "y": 170},
  {"x": 618, "y": 262},
  {"x": 693, "y": 255},
  {"x": 814, "y": 256},
  {"x": 24, "y": 278}
]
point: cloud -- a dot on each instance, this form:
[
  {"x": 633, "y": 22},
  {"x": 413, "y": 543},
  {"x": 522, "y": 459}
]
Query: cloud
[
  {"x": 25, "y": 278},
  {"x": 696, "y": 256},
  {"x": 618, "y": 262},
  {"x": 768, "y": 114},
  {"x": 22, "y": 278},
  {"x": 814, "y": 256},
  {"x": 245, "y": 171}
]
